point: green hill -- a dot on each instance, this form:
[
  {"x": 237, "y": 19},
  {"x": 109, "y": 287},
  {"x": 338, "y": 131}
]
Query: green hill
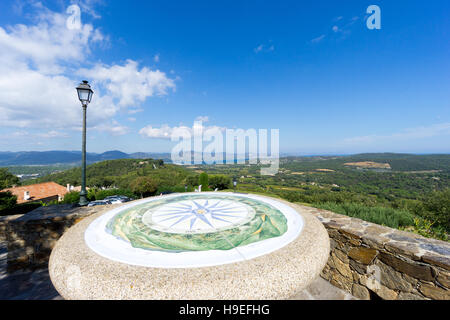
[{"x": 120, "y": 173}]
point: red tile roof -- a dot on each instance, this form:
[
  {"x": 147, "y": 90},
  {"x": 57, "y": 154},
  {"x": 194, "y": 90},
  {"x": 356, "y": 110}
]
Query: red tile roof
[{"x": 38, "y": 191}]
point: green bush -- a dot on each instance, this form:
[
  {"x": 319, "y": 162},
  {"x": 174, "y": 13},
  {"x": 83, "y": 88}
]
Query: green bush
[
  {"x": 192, "y": 180},
  {"x": 437, "y": 208},
  {"x": 71, "y": 197},
  {"x": 144, "y": 186},
  {"x": 7, "y": 200},
  {"x": 102, "y": 194},
  {"x": 7, "y": 179},
  {"x": 390, "y": 217},
  {"x": 203, "y": 180},
  {"x": 220, "y": 182},
  {"x": 171, "y": 189}
]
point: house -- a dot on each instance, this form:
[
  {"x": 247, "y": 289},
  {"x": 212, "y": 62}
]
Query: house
[
  {"x": 45, "y": 192},
  {"x": 71, "y": 188}
]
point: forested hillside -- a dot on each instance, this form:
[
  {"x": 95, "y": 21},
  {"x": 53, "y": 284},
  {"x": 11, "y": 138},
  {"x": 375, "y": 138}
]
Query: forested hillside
[
  {"x": 119, "y": 173},
  {"x": 410, "y": 192}
]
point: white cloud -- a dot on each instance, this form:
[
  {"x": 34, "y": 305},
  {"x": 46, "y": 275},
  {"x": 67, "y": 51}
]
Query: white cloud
[
  {"x": 202, "y": 118},
  {"x": 134, "y": 111},
  {"x": 45, "y": 135},
  {"x": 258, "y": 48},
  {"x": 53, "y": 134},
  {"x": 409, "y": 134},
  {"x": 113, "y": 128},
  {"x": 165, "y": 131},
  {"x": 335, "y": 28},
  {"x": 47, "y": 43},
  {"x": 263, "y": 47},
  {"x": 37, "y": 82},
  {"x": 156, "y": 58},
  {"x": 88, "y": 6},
  {"x": 129, "y": 84},
  {"x": 318, "y": 39}
]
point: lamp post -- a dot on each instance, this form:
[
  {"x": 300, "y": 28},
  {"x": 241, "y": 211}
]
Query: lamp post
[{"x": 85, "y": 95}]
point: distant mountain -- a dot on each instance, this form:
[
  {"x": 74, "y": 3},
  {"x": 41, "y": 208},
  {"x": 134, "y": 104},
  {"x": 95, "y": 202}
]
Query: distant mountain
[{"x": 30, "y": 158}]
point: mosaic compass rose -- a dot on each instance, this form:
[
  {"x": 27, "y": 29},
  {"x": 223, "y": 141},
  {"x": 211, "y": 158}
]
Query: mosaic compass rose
[{"x": 198, "y": 216}]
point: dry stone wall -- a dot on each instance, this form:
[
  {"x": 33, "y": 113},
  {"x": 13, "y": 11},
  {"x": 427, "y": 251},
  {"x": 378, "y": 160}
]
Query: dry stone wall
[
  {"x": 372, "y": 261},
  {"x": 31, "y": 237},
  {"x": 3, "y": 224}
]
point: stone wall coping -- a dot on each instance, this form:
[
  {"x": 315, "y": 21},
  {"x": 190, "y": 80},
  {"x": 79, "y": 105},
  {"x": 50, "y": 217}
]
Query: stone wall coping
[
  {"x": 411, "y": 245},
  {"x": 368, "y": 259},
  {"x": 5, "y": 219},
  {"x": 54, "y": 212}
]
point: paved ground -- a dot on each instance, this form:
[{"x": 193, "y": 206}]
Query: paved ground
[
  {"x": 37, "y": 286},
  {"x": 24, "y": 285}
]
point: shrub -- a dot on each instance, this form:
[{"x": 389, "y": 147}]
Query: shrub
[
  {"x": 390, "y": 217},
  {"x": 7, "y": 200},
  {"x": 7, "y": 179},
  {"x": 143, "y": 186},
  {"x": 220, "y": 182},
  {"x": 71, "y": 197},
  {"x": 192, "y": 180},
  {"x": 102, "y": 194},
  {"x": 204, "y": 181},
  {"x": 170, "y": 189},
  {"x": 437, "y": 208}
]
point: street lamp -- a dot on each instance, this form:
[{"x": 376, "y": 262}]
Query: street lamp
[
  {"x": 234, "y": 184},
  {"x": 85, "y": 95}
]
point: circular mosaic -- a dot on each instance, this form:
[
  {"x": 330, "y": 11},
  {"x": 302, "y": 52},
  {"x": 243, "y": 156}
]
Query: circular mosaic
[
  {"x": 193, "y": 230},
  {"x": 201, "y": 215}
]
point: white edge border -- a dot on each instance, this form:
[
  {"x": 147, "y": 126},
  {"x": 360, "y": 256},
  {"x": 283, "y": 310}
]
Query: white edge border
[{"x": 110, "y": 247}]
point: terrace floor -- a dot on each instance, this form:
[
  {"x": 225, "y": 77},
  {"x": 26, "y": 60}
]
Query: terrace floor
[{"x": 27, "y": 285}]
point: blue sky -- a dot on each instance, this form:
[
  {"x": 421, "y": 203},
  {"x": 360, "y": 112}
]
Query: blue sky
[{"x": 311, "y": 69}]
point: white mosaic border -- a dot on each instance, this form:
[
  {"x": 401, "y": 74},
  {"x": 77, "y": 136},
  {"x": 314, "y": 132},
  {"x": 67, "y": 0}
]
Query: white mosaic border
[{"x": 110, "y": 247}]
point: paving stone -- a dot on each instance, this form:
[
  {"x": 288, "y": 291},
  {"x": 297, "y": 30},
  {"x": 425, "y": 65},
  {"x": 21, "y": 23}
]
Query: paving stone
[{"x": 321, "y": 289}]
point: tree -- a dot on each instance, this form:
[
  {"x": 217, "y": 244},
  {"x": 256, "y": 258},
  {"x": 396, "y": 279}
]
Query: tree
[
  {"x": 203, "y": 180},
  {"x": 220, "y": 182},
  {"x": 7, "y": 179},
  {"x": 143, "y": 186},
  {"x": 192, "y": 180},
  {"x": 71, "y": 197},
  {"x": 437, "y": 207},
  {"x": 7, "y": 200}
]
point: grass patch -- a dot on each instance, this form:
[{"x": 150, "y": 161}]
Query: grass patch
[{"x": 389, "y": 217}]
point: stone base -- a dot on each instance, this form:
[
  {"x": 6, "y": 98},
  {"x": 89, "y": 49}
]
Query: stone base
[{"x": 79, "y": 273}]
